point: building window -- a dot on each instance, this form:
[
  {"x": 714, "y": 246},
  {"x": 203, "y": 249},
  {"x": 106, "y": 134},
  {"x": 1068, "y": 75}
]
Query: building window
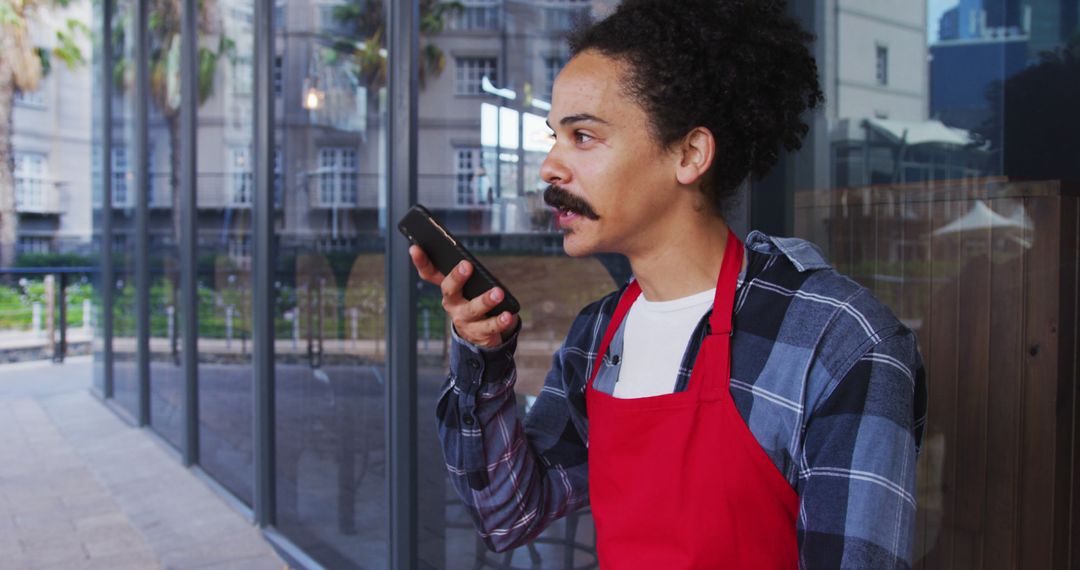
[
  {"x": 240, "y": 247},
  {"x": 469, "y": 72},
  {"x": 337, "y": 177},
  {"x": 242, "y": 75},
  {"x": 563, "y": 15},
  {"x": 552, "y": 66},
  {"x": 35, "y": 98},
  {"x": 329, "y": 23},
  {"x": 473, "y": 185},
  {"x": 34, "y": 244},
  {"x": 120, "y": 177},
  {"x": 240, "y": 178},
  {"x": 279, "y": 187},
  {"x": 278, "y": 77},
  {"x": 31, "y": 170},
  {"x": 476, "y": 15},
  {"x": 882, "y": 65}
]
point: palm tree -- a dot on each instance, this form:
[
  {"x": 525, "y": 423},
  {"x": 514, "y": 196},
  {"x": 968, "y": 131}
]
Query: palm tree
[
  {"x": 164, "y": 66},
  {"x": 22, "y": 65},
  {"x": 366, "y": 20}
]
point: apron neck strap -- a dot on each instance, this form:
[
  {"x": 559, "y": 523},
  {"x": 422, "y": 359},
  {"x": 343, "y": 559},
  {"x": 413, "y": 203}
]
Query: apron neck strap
[
  {"x": 626, "y": 300},
  {"x": 724, "y": 302}
]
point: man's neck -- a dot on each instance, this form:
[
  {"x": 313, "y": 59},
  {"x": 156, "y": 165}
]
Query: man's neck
[{"x": 687, "y": 262}]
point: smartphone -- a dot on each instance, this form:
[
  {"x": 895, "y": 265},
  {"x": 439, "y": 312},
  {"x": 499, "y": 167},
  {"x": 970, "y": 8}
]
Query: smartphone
[{"x": 445, "y": 251}]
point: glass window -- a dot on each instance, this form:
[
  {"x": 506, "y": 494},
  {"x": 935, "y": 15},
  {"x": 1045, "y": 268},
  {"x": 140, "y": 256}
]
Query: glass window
[
  {"x": 31, "y": 180},
  {"x": 163, "y": 239},
  {"x": 121, "y": 176},
  {"x": 552, "y": 66},
  {"x": 936, "y": 194},
  {"x": 473, "y": 185},
  {"x": 125, "y": 373},
  {"x": 242, "y": 76},
  {"x": 337, "y": 177},
  {"x": 882, "y": 70},
  {"x": 278, "y": 76},
  {"x": 471, "y": 71},
  {"x": 475, "y": 15},
  {"x": 562, "y": 15},
  {"x": 224, "y": 194},
  {"x": 35, "y": 98},
  {"x": 480, "y": 176},
  {"x": 329, "y": 282},
  {"x": 241, "y": 179}
]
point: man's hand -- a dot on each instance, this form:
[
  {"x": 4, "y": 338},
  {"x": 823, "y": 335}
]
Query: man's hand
[{"x": 468, "y": 316}]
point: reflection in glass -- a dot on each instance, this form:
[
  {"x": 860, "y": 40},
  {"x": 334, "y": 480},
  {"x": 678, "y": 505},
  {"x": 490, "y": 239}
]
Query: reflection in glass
[
  {"x": 125, "y": 374},
  {"x": 92, "y": 319},
  {"x": 224, "y": 186},
  {"x": 330, "y": 77},
  {"x": 166, "y": 374},
  {"x": 937, "y": 194},
  {"x": 482, "y": 139}
]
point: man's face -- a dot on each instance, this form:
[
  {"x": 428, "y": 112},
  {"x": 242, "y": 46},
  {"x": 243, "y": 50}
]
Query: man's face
[{"x": 606, "y": 160}]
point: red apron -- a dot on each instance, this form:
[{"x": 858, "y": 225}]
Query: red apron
[{"x": 678, "y": 480}]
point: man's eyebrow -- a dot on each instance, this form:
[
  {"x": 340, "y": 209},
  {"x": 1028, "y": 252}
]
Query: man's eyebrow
[{"x": 579, "y": 118}]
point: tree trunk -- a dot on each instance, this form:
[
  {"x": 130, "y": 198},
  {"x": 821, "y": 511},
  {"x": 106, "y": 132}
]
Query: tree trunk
[
  {"x": 9, "y": 219},
  {"x": 172, "y": 121}
]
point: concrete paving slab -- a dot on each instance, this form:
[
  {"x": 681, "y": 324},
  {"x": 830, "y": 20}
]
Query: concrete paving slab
[{"x": 80, "y": 488}]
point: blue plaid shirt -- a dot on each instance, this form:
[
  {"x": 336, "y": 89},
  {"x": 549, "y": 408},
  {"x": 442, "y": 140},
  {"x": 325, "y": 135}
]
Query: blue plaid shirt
[{"x": 830, "y": 383}]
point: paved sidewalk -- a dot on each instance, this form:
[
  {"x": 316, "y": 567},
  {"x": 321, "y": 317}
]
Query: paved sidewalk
[{"x": 79, "y": 488}]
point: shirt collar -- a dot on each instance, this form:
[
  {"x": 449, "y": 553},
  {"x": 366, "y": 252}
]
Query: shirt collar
[{"x": 804, "y": 255}]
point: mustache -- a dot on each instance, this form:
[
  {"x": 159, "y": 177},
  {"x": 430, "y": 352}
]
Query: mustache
[{"x": 561, "y": 199}]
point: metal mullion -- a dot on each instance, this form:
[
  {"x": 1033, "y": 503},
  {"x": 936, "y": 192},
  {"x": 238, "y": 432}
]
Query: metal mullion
[
  {"x": 142, "y": 212},
  {"x": 262, "y": 275},
  {"x": 401, "y": 290},
  {"x": 108, "y": 280},
  {"x": 188, "y": 171}
]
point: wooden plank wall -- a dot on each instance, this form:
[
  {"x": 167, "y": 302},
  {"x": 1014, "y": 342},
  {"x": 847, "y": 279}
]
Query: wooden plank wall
[{"x": 995, "y": 311}]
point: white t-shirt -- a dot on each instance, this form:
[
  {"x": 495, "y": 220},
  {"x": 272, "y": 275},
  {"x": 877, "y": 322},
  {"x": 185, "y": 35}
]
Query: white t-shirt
[{"x": 654, "y": 339}]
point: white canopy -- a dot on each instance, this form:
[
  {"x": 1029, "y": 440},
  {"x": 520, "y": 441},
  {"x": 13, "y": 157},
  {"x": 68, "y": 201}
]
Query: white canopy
[
  {"x": 981, "y": 217},
  {"x": 924, "y": 132}
]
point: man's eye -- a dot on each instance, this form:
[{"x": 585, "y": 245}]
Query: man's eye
[{"x": 582, "y": 137}]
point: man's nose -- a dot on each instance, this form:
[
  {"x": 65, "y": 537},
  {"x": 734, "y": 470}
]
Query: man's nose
[{"x": 552, "y": 170}]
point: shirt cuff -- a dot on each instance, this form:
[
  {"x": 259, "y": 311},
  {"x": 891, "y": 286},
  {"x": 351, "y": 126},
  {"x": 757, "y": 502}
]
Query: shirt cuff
[{"x": 474, "y": 365}]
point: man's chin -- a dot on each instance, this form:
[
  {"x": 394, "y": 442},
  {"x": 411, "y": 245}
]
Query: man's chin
[{"x": 575, "y": 246}]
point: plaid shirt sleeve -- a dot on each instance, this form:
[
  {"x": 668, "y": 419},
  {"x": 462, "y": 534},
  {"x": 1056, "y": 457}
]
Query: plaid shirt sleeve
[
  {"x": 856, "y": 478},
  {"x": 514, "y": 478}
]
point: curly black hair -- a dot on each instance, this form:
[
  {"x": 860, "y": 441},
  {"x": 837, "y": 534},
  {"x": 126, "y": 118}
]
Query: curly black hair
[{"x": 740, "y": 68}]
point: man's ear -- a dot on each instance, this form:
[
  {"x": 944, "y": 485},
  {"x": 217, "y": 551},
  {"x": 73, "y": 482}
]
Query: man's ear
[{"x": 696, "y": 153}]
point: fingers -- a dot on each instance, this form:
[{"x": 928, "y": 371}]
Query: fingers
[
  {"x": 453, "y": 283},
  {"x": 489, "y": 332},
  {"x": 469, "y": 316},
  {"x": 424, "y": 266}
]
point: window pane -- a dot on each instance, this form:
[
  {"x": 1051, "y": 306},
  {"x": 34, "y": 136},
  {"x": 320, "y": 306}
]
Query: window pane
[
  {"x": 93, "y": 314},
  {"x": 936, "y": 186},
  {"x": 329, "y": 281},
  {"x": 166, "y": 374},
  {"x": 223, "y": 259},
  {"x": 480, "y": 175},
  {"x": 125, "y": 374}
]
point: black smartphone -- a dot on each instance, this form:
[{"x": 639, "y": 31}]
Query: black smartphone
[{"x": 445, "y": 251}]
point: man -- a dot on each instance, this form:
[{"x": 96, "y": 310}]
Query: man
[{"x": 729, "y": 407}]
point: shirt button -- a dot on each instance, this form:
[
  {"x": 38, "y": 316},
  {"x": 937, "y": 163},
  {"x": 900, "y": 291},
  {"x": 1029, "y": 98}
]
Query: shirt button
[
  {"x": 474, "y": 364},
  {"x": 615, "y": 360},
  {"x": 468, "y": 420}
]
